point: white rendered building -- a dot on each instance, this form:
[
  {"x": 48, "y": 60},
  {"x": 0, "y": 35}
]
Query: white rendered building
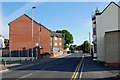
[
  {"x": 107, "y": 20},
  {"x": 2, "y": 42}
]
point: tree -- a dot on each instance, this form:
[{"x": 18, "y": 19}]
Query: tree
[
  {"x": 68, "y": 38},
  {"x": 73, "y": 47},
  {"x": 85, "y": 47},
  {"x": 53, "y": 31}
]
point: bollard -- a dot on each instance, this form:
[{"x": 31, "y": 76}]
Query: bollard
[
  {"x": 4, "y": 63},
  {"x": 20, "y": 60}
]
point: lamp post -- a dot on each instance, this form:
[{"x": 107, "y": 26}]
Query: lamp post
[
  {"x": 32, "y": 31},
  {"x": 90, "y": 42}
]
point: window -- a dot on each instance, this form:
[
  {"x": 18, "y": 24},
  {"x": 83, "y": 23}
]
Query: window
[
  {"x": 55, "y": 44},
  {"x": 51, "y": 44},
  {"x": 94, "y": 31},
  {"x": 59, "y": 38},
  {"x": 50, "y": 38},
  {"x": 55, "y": 38},
  {"x": 60, "y": 44}
]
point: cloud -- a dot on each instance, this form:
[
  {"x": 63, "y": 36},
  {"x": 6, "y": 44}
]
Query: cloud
[
  {"x": 0, "y": 17},
  {"x": 4, "y": 29},
  {"x": 22, "y": 10}
]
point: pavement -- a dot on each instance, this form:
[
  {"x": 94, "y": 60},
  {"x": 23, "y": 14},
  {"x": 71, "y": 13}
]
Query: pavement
[
  {"x": 74, "y": 66},
  {"x": 97, "y": 71}
]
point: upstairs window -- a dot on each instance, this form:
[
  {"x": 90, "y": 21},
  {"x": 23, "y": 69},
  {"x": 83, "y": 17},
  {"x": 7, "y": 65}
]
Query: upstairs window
[
  {"x": 56, "y": 44},
  {"x": 59, "y": 38},
  {"x": 55, "y": 38},
  {"x": 94, "y": 31},
  {"x": 60, "y": 44}
]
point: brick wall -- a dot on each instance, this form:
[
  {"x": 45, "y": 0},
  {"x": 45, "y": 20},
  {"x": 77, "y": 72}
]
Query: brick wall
[
  {"x": 57, "y": 41},
  {"x": 45, "y": 39},
  {"x": 20, "y": 35},
  {"x": 57, "y": 53}
]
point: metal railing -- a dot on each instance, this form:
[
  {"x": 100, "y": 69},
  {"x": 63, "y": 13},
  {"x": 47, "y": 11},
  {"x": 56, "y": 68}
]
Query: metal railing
[{"x": 19, "y": 53}]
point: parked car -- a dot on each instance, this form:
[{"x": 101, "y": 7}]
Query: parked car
[
  {"x": 46, "y": 53},
  {"x": 51, "y": 53}
]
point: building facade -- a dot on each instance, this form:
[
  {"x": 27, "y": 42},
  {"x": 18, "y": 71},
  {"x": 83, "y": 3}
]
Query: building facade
[
  {"x": 94, "y": 33},
  {"x": 107, "y": 20},
  {"x": 112, "y": 45},
  {"x": 2, "y": 45},
  {"x": 20, "y": 35},
  {"x": 57, "y": 44}
]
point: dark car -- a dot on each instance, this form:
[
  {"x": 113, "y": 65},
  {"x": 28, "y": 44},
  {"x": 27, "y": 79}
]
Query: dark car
[
  {"x": 45, "y": 54},
  {"x": 51, "y": 53}
]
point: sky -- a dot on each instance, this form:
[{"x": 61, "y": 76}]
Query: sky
[{"x": 72, "y": 16}]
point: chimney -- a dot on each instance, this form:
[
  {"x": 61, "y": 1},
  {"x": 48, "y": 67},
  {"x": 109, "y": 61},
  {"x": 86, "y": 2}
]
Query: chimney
[{"x": 96, "y": 11}]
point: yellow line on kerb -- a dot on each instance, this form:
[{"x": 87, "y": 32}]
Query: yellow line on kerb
[{"x": 77, "y": 69}]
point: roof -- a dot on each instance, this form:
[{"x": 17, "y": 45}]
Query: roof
[
  {"x": 1, "y": 36},
  {"x": 113, "y": 31},
  {"x": 31, "y": 19},
  {"x": 56, "y": 34},
  {"x": 107, "y": 7}
]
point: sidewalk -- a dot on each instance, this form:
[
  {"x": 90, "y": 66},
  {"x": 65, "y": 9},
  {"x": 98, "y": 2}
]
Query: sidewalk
[
  {"x": 95, "y": 71},
  {"x": 14, "y": 66}
]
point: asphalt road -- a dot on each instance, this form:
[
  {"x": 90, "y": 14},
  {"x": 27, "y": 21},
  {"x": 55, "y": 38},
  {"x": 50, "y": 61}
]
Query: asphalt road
[
  {"x": 62, "y": 68},
  {"x": 72, "y": 67}
]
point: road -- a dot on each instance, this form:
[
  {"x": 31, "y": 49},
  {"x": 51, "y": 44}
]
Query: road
[
  {"x": 72, "y": 67},
  {"x": 59, "y": 68}
]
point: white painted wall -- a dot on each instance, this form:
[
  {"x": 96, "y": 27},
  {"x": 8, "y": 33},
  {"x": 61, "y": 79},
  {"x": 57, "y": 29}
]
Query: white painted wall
[
  {"x": 17, "y": 58},
  {"x": 119, "y": 18},
  {"x": 1, "y": 42},
  {"x": 107, "y": 21}
]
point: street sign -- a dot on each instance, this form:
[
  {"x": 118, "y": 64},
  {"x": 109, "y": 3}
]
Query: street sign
[{"x": 36, "y": 44}]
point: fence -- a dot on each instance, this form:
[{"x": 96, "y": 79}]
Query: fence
[{"x": 19, "y": 53}]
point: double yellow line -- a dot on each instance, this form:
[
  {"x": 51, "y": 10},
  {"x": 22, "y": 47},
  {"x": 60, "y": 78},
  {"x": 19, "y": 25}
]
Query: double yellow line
[{"x": 74, "y": 76}]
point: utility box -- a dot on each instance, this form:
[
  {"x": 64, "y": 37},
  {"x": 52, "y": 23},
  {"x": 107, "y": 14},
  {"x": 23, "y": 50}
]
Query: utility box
[{"x": 112, "y": 48}]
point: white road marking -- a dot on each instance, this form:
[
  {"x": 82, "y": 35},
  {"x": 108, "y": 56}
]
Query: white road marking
[
  {"x": 81, "y": 72},
  {"x": 1, "y": 71},
  {"x": 24, "y": 76}
]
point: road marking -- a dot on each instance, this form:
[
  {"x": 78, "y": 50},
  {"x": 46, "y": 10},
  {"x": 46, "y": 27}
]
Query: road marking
[
  {"x": 74, "y": 76},
  {"x": 78, "y": 70},
  {"x": 1, "y": 71},
  {"x": 81, "y": 72},
  {"x": 24, "y": 76},
  {"x": 1, "y": 65},
  {"x": 75, "y": 72}
]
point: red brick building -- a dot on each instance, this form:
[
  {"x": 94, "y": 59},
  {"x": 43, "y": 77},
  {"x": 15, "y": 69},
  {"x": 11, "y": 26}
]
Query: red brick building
[
  {"x": 20, "y": 35},
  {"x": 57, "y": 44}
]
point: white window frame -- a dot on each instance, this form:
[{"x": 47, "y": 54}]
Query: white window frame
[
  {"x": 60, "y": 44},
  {"x": 55, "y": 38},
  {"x": 50, "y": 43},
  {"x": 56, "y": 44},
  {"x": 60, "y": 38},
  {"x": 50, "y": 38}
]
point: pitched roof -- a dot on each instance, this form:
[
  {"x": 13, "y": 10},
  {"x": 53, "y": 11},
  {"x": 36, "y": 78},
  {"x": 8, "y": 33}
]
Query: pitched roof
[
  {"x": 1, "y": 36},
  {"x": 107, "y": 7},
  {"x": 56, "y": 34},
  {"x": 31, "y": 19}
]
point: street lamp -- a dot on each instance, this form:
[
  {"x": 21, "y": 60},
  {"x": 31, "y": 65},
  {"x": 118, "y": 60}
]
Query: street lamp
[{"x": 32, "y": 31}]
